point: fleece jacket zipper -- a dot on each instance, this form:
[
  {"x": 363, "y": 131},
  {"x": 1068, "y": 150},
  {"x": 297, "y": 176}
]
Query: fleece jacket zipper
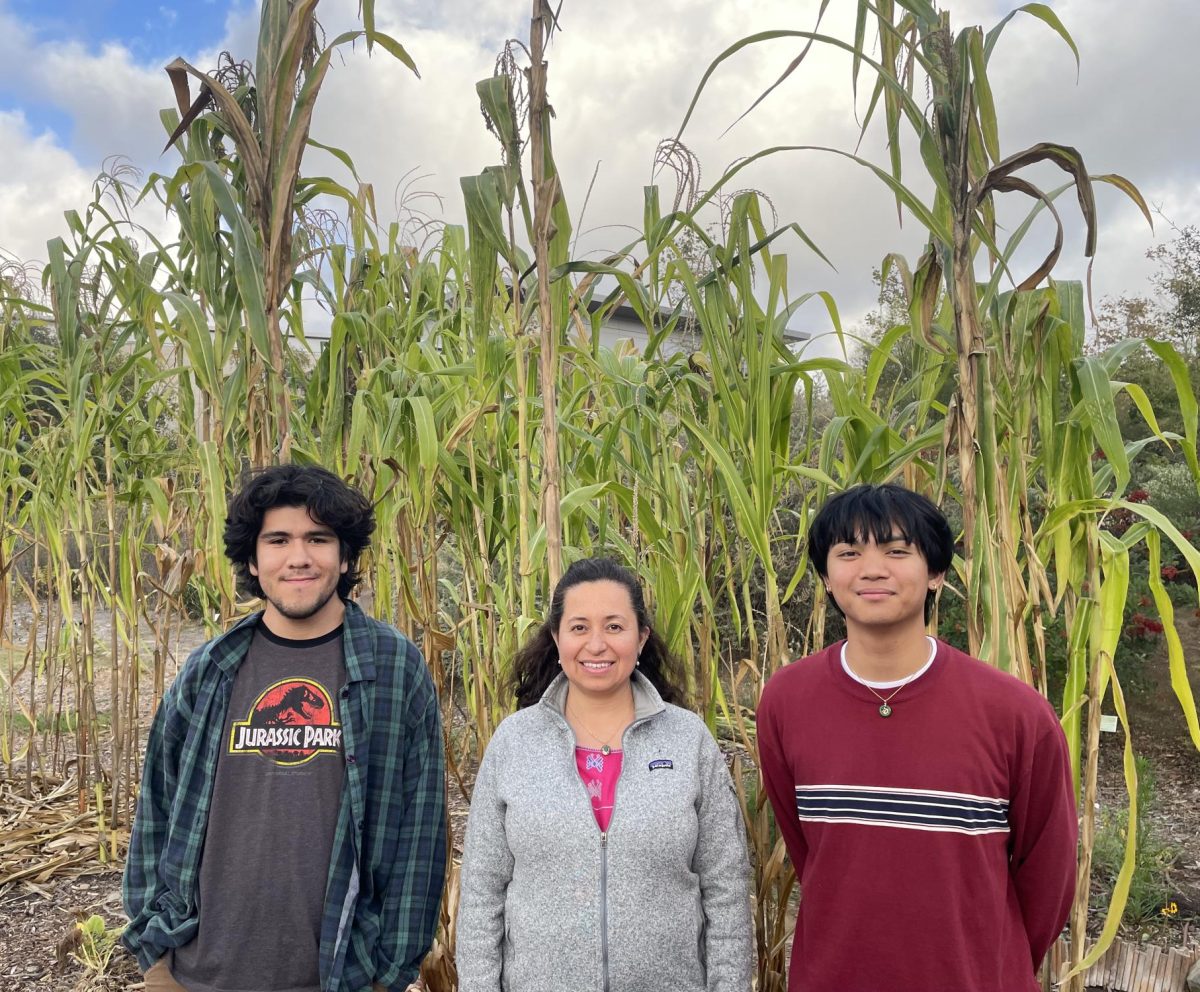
[
  {"x": 603, "y": 842},
  {"x": 604, "y": 858},
  {"x": 604, "y": 907}
]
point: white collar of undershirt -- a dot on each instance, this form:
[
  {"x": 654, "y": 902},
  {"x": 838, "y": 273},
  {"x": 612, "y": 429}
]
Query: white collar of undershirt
[{"x": 899, "y": 682}]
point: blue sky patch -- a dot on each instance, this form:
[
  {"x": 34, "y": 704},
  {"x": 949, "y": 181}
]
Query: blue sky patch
[
  {"x": 150, "y": 29},
  {"x": 40, "y": 116}
]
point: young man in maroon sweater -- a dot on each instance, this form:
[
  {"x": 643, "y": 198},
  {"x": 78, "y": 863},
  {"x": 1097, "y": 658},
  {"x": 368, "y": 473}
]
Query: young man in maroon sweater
[{"x": 925, "y": 797}]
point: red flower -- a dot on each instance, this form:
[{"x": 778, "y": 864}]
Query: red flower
[
  {"x": 1169, "y": 573},
  {"x": 1142, "y": 626},
  {"x": 1139, "y": 496}
]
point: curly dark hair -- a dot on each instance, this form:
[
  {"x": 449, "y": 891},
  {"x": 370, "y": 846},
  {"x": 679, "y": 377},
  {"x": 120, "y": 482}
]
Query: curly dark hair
[
  {"x": 878, "y": 513},
  {"x": 329, "y": 501},
  {"x": 535, "y": 666}
]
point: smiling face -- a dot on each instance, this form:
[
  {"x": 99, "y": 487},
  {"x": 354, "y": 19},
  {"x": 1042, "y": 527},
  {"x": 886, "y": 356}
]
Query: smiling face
[
  {"x": 598, "y": 639},
  {"x": 880, "y": 586},
  {"x": 298, "y": 562}
]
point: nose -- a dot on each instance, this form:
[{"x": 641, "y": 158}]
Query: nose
[
  {"x": 595, "y": 642},
  {"x": 299, "y": 554},
  {"x": 874, "y": 564}
]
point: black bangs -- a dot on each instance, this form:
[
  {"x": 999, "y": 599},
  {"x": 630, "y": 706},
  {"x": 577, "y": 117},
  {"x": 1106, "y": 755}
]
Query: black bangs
[
  {"x": 870, "y": 527},
  {"x": 882, "y": 513}
]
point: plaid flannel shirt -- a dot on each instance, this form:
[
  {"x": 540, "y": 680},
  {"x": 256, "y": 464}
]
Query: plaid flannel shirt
[{"x": 388, "y": 862}]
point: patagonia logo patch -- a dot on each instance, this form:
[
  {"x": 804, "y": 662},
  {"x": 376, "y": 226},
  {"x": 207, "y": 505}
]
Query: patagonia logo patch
[{"x": 661, "y": 763}]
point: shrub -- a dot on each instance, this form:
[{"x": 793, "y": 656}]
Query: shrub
[{"x": 1149, "y": 889}]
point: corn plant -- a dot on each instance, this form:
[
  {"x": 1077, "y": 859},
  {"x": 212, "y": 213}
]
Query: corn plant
[
  {"x": 266, "y": 115},
  {"x": 465, "y": 388},
  {"x": 1007, "y": 435}
]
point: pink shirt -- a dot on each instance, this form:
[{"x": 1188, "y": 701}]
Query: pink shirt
[{"x": 599, "y": 773}]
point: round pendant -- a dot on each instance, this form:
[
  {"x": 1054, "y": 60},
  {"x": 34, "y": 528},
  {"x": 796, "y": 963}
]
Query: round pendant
[
  {"x": 885, "y": 710},
  {"x": 608, "y": 750}
]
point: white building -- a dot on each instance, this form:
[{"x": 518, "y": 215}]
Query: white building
[{"x": 623, "y": 324}]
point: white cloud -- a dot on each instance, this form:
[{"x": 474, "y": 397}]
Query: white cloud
[
  {"x": 38, "y": 181},
  {"x": 114, "y": 102}
]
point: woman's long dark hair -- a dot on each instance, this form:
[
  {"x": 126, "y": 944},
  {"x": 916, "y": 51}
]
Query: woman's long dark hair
[{"x": 536, "y": 664}]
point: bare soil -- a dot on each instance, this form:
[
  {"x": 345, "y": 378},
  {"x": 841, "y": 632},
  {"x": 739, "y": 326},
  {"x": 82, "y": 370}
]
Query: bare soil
[
  {"x": 1160, "y": 735},
  {"x": 39, "y": 938}
]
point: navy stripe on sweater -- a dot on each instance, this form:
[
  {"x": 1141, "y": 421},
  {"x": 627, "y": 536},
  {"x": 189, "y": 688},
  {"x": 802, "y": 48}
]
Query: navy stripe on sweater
[{"x": 908, "y": 809}]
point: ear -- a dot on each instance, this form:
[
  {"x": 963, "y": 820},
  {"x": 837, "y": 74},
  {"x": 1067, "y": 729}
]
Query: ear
[
  {"x": 253, "y": 566},
  {"x": 644, "y": 638},
  {"x": 935, "y": 581},
  {"x": 345, "y": 566}
]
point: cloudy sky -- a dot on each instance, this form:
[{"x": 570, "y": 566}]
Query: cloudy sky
[{"x": 82, "y": 80}]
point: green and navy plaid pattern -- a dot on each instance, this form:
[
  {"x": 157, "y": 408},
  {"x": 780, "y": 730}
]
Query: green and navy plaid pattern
[{"x": 389, "y": 849}]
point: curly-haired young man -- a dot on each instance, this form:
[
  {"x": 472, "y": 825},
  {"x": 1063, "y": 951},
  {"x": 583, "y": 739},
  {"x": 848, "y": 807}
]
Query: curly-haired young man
[
  {"x": 290, "y": 832},
  {"x": 925, "y": 797}
]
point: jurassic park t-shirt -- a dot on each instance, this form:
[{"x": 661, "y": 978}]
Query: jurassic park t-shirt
[{"x": 270, "y": 827}]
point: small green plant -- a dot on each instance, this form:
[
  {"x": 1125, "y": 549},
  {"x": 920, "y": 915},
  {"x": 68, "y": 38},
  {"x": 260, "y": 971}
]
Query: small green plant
[
  {"x": 1149, "y": 889},
  {"x": 66, "y": 721},
  {"x": 96, "y": 943}
]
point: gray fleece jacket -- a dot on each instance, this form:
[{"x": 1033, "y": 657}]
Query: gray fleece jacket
[{"x": 550, "y": 904}]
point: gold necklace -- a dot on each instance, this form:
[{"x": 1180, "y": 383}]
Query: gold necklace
[
  {"x": 605, "y": 747},
  {"x": 886, "y": 710}
]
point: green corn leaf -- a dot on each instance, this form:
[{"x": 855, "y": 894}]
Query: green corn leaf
[
  {"x": 1176, "y": 661},
  {"x": 1188, "y": 407},
  {"x": 1120, "y": 893},
  {"x": 248, "y": 261},
  {"x": 1042, "y": 13},
  {"x": 1100, "y": 415}
]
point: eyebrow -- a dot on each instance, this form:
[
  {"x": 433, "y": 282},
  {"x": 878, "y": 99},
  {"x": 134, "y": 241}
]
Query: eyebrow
[
  {"x": 611, "y": 616},
  {"x": 315, "y": 532}
]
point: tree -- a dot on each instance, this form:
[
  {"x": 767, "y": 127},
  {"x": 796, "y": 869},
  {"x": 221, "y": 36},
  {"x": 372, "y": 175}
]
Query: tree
[
  {"x": 1172, "y": 314},
  {"x": 1178, "y": 278}
]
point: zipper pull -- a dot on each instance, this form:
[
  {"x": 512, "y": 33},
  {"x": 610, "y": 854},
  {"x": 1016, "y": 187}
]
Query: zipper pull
[{"x": 604, "y": 838}]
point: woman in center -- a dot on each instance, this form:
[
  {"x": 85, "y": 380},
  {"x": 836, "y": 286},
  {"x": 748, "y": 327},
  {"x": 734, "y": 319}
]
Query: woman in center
[{"x": 604, "y": 848}]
